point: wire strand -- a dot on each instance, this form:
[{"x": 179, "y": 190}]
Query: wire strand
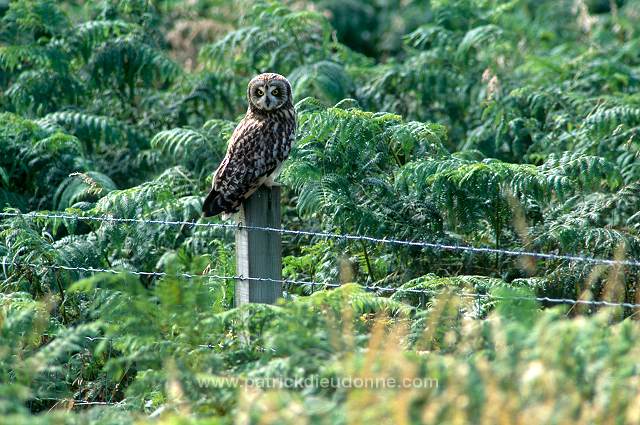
[
  {"x": 327, "y": 235},
  {"x": 81, "y": 402},
  {"x": 325, "y": 285}
]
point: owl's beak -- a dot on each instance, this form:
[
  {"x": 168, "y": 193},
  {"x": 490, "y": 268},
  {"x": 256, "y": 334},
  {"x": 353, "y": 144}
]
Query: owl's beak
[{"x": 266, "y": 101}]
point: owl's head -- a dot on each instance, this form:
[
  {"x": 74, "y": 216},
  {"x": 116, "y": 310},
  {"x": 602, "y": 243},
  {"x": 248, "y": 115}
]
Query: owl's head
[{"x": 268, "y": 92}]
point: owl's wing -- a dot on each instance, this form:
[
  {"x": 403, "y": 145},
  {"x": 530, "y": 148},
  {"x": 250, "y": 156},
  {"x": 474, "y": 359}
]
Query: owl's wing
[{"x": 252, "y": 154}]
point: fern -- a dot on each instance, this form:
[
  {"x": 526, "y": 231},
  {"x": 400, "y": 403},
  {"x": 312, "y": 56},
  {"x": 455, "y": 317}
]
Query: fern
[
  {"x": 88, "y": 36},
  {"x": 477, "y": 38},
  {"x": 96, "y": 131},
  {"x": 428, "y": 36},
  {"x": 326, "y": 81},
  {"x": 36, "y": 17},
  {"x": 82, "y": 188},
  {"x": 20, "y": 57},
  {"x": 43, "y": 90},
  {"x": 276, "y": 38},
  {"x": 195, "y": 149},
  {"x": 127, "y": 62},
  {"x": 607, "y": 119}
]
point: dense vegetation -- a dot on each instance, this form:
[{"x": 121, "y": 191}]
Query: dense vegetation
[{"x": 502, "y": 124}]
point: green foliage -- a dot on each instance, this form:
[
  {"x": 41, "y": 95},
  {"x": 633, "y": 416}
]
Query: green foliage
[
  {"x": 510, "y": 125},
  {"x": 82, "y": 187},
  {"x": 195, "y": 149},
  {"x": 37, "y": 360},
  {"x": 342, "y": 164},
  {"x": 326, "y": 81},
  {"x": 34, "y": 161},
  {"x": 126, "y": 62},
  {"x": 270, "y": 36}
]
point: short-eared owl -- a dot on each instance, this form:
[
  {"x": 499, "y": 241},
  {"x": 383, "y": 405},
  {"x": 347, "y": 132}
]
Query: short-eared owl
[{"x": 258, "y": 146}]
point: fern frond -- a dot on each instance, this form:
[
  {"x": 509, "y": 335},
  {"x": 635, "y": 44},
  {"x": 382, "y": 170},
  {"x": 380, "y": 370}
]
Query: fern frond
[
  {"x": 126, "y": 62},
  {"x": 276, "y": 38},
  {"x": 37, "y": 17},
  {"x": 82, "y": 187},
  {"x": 589, "y": 171},
  {"x": 428, "y": 37},
  {"x": 478, "y": 37},
  {"x": 607, "y": 119},
  {"x": 178, "y": 142},
  {"x": 87, "y": 36},
  {"x": 95, "y": 130},
  {"x": 326, "y": 81},
  {"x": 359, "y": 299},
  {"x": 195, "y": 149},
  {"x": 20, "y": 57},
  {"x": 41, "y": 92}
]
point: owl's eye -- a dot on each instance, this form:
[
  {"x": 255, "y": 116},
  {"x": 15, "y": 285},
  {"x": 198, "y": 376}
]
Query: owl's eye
[
  {"x": 259, "y": 92},
  {"x": 275, "y": 92}
]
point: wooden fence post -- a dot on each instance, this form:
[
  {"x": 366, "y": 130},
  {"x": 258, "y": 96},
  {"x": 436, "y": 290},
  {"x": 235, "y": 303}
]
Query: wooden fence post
[{"x": 258, "y": 252}]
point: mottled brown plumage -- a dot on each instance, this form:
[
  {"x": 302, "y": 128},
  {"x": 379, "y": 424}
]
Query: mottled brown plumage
[{"x": 259, "y": 145}]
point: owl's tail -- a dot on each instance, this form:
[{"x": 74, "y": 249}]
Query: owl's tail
[{"x": 213, "y": 204}]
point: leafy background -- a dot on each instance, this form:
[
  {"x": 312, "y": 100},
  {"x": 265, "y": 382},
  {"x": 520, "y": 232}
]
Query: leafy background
[{"x": 501, "y": 124}]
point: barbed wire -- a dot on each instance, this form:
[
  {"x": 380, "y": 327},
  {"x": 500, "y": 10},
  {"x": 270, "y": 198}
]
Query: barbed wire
[
  {"x": 80, "y": 402},
  {"x": 160, "y": 274},
  {"x": 313, "y": 284},
  {"x": 552, "y": 300},
  {"x": 338, "y": 236},
  {"x": 110, "y": 219}
]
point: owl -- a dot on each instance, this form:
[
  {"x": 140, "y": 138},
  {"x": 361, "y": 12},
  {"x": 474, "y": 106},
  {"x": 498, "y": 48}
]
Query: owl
[{"x": 258, "y": 146}]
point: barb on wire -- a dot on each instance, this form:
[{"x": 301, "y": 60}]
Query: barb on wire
[
  {"x": 81, "y": 402},
  {"x": 338, "y": 236},
  {"x": 111, "y": 219},
  {"x": 551, "y": 300},
  {"x": 101, "y": 270},
  {"x": 313, "y": 284},
  {"x": 162, "y": 274}
]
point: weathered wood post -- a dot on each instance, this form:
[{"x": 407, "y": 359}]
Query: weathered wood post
[{"x": 259, "y": 252}]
